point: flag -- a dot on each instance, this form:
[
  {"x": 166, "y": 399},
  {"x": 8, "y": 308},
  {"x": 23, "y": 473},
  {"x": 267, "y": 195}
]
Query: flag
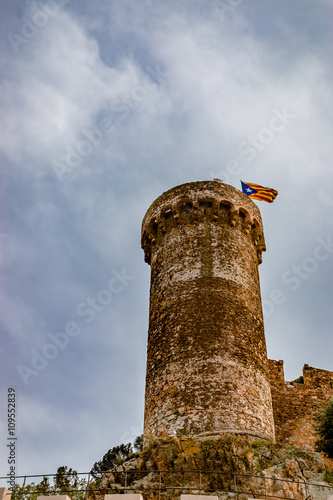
[{"x": 259, "y": 192}]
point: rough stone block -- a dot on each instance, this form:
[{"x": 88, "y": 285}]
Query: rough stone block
[{"x": 5, "y": 494}]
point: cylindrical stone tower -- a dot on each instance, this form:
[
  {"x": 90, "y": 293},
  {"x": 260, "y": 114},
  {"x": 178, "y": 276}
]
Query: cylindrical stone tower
[{"x": 207, "y": 368}]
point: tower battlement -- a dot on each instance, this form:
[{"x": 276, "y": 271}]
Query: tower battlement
[
  {"x": 313, "y": 378},
  {"x": 195, "y": 201}
]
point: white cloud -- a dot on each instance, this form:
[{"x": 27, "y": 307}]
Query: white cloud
[{"x": 56, "y": 88}]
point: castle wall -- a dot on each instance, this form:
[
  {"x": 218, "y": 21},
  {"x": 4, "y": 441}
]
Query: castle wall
[
  {"x": 295, "y": 404},
  {"x": 207, "y": 370}
]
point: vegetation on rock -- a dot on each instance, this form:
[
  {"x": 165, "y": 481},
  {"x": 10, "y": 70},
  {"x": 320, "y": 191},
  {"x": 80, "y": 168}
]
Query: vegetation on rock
[
  {"x": 324, "y": 430},
  {"x": 299, "y": 380},
  {"x": 179, "y": 466},
  {"x": 116, "y": 456}
]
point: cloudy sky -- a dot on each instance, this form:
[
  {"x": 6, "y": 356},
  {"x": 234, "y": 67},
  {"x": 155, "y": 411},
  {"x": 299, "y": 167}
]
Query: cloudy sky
[{"x": 105, "y": 105}]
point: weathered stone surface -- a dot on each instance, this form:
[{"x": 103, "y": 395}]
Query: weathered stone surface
[
  {"x": 207, "y": 370},
  {"x": 295, "y": 404}
]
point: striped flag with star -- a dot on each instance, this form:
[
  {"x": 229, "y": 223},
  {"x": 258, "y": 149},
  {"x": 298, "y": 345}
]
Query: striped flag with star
[{"x": 257, "y": 192}]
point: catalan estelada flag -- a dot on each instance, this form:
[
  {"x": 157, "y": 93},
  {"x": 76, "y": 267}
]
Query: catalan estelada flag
[{"x": 259, "y": 192}]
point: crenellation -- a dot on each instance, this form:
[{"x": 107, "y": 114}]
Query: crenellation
[
  {"x": 276, "y": 371},
  {"x": 195, "y": 208},
  {"x": 314, "y": 377}
]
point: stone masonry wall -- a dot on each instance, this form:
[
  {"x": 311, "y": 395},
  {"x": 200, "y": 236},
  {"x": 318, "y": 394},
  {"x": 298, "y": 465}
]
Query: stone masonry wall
[
  {"x": 207, "y": 369},
  {"x": 295, "y": 404}
]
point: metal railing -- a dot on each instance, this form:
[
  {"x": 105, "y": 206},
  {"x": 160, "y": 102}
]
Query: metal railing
[{"x": 198, "y": 482}]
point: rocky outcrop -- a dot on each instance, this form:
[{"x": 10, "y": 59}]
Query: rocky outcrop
[{"x": 253, "y": 468}]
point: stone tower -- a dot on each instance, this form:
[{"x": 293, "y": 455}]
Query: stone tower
[{"x": 207, "y": 368}]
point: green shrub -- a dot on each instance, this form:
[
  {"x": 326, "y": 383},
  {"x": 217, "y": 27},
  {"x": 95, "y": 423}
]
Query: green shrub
[
  {"x": 258, "y": 443},
  {"x": 324, "y": 430},
  {"x": 299, "y": 380},
  {"x": 328, "y": 477}
]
